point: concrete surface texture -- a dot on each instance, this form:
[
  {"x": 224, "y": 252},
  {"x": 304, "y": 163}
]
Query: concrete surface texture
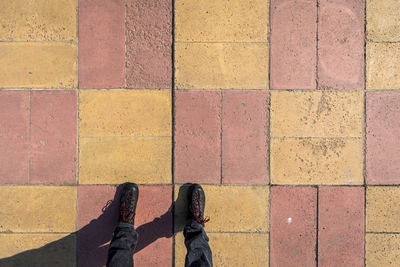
[{"x": 285, "y": 110}]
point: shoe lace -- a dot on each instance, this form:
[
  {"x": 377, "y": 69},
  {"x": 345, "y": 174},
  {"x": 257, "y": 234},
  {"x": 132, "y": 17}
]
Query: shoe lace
[
  {"x": 107, "y": 205},
  {"x": 195, "y": 209},
  {"x": 125, "y": 210}
]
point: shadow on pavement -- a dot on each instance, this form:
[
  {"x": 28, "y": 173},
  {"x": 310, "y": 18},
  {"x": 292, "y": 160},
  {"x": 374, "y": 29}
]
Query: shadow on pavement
[{"x": 89, "y": 245}]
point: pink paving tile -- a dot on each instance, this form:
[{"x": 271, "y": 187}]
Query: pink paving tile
[
  {"x": 149, "y": 44},
  {"x": 14, "y": 137},
  {"x": 341, "y": 226},
  {"x": 293, "y": 226},
  {"x": 153, "y": 223},
  {"x": 53, "y": 137},
  {"x": 101, "y": 44},
  {"x": 197, "y": 136},
  {"x": 383, "y": 138},
  {"x": 341, "y": 44},
  {"x": 293, "y": 44},
  {"x": 244, "y": 137}
]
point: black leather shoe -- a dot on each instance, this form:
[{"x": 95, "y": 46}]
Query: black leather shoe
[
  {"x": 197, "y": 204},
  {"x": 129, "y": 198}
]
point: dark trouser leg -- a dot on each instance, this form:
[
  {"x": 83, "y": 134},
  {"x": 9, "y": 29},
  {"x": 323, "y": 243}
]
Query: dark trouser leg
[
  {"x": 122, "y": 246},
  {"x": 198, "y": 250}
]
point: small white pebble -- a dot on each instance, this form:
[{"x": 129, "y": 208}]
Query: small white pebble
[
  {"x": 289, "y": 220},
  {"x": 349, "y": 181}
]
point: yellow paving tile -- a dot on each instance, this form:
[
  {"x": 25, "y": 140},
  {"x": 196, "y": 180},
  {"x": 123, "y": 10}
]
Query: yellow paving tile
[
  {"x": 125, "y": 113},
  {"x": 234, "y": 208},
  {"x": 221, "y": 66},
  {"x": 221, "y": 21},
  {"x": 38, "y": 249},
  {"x": 230, "y": 249},
  {"x": 383, "y": 209},
  {"x": 113, "y": 160},
  {"x": 38, "y": 208},
  {"x": 383, "y": 68},
  {"x": 383, "y": 20},
  {"x": 382, "y": 250},
  {"x": 316, "y": 161},
  {"x": 38, "y": 65},
  {"x": 38, "y": 20},
  {"x": 317, "y": 114}
]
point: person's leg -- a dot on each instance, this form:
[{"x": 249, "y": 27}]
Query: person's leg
[
  {"x": 123, "y": 243},
  {"x": 196, "y": 240},
  {"x": 122, "y": 246},
  {"x": 198, "y": 249}
]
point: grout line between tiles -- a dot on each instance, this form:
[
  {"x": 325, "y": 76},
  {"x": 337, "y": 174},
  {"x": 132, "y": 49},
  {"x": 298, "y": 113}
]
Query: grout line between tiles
[
  {"x": 210, "y": 184},
  {"x": 383, "y": 233},
  {"x": 317, "y": 50},
  {"x": 269, "y": 133},
  {"x": 222, "y": 42},
  {"x": 317, "y": 137},
  {"x": 173, "y": 127},
  {"x": 77, "y": 132},
  {"x": 40, "y": 41},
  {"x": 125, "y": 50},
  {"x": 317, "y": 229},
  {"x": 365, "y": 132}
]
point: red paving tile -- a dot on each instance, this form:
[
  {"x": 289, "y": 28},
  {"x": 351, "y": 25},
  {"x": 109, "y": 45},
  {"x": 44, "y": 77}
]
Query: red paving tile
[
  {"x": 14, "y": 137},
  {"x": 293, "y": 226},
  {"x": 244, "y": 137},
  {"x": 101, "y": 44},
  {"x": 53, "y": 137},
  {"x": 153, "y": 223},
  {"x": 95, "y": 228},
  {"x": 383, "y": 138},
  {"x": 341, "y": 226},
  {"x": 149, "y": 44},
  {"x": 293, "y": 44},
  {"x": 197, "y": 136},
  {"x": 341, "y": 44}
]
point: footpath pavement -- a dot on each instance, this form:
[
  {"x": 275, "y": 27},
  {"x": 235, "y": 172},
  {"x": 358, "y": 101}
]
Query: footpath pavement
[{"x": 285, "y": 110}]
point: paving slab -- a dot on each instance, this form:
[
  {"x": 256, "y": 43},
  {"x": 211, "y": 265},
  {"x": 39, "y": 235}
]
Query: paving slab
[
  {"x": 244, "y": 137},
  {"x": 383, "y": 21},
  {"x": 293, "y": 44},
  {"x": 124, "y": 113},
  {"x": 382, "y": 250},
  {"x": 341, "y": 226},
  {"x": 245, "y": 208},
  {"x": 382, "y": 138},
  {"x": 221, "y": 21},
  {"x": 38, "y": 20},
  {"x": 101, "y": 44},
  {"x": 31, "y": 206},
  {"x": 53, "y": 136},
  {"x": 383, "y": 210},
  {"x": 14, "y": 137},
  {"x": 38, "y": 249},
  {"x": 113, "y": 160},
  {"x": 341, "y": 44},
  {"x": 293, "y": 229},
  {"x": 221, "y": 66},
  {"x": 383, "y": 70},
  {"x": 148, "y": 44},
  {"x": 97, "y": 218},
  {"x": 333, "y": 161},
  {"x": 38, "y": 65},
  {"x": 230, "y": 249},
  {"x": 317, "y": 114},
  {"x": 197, "y": 137}
]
